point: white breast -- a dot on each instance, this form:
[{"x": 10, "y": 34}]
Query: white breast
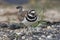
[{"x": 27, "y": 23}]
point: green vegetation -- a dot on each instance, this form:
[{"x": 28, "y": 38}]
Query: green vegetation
[{"x": 38, "y": 23}]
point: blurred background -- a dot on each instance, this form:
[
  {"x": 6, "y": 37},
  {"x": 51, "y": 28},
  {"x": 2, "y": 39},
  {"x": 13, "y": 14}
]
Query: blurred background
[
  {"x": 34, "y": 4},
  {"x": 39, "y": 5}
]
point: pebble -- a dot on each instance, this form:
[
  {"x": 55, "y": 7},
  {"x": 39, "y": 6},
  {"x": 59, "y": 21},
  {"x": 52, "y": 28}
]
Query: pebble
[
  {"x": 36, "y": 33},
  {"x": 23, "y": 37}
]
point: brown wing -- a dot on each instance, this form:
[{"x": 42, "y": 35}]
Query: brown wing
[{"x": 23, "y": 14}]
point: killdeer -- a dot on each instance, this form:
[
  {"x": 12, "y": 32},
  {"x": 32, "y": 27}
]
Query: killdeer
[{"x": 30, "y": 18}]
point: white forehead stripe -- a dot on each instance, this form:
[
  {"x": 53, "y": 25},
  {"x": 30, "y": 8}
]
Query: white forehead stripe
[{"x": 32, "y": 11}]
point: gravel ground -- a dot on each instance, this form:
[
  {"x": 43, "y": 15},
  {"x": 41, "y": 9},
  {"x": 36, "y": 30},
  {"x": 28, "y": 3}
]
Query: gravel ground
[{"x": 30, "y": 33}]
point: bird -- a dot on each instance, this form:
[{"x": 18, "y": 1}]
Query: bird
[{"x": 30, "y": 18}]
